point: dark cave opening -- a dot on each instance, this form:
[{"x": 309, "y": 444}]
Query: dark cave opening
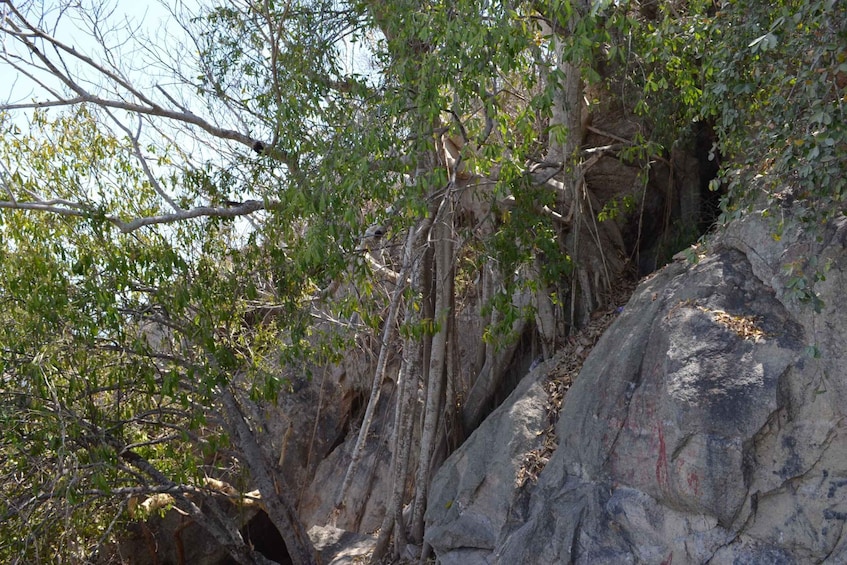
[
  {"x": 680, "y": 203},
  {"x": 356, "y": 402},
  {"x": 260, "y": 533}
]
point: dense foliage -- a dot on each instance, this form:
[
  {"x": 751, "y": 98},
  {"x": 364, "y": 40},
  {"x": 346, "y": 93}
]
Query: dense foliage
[{"x": 772, "y": 77}]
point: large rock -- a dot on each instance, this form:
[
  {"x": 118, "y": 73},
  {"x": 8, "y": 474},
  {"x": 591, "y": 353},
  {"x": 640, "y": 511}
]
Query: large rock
[
  {"x": 471, "y": 495},
  {"x": 340, "y": 547},
  {"x": 365, "y": 501},
  {"x": 702, "y": 426}
]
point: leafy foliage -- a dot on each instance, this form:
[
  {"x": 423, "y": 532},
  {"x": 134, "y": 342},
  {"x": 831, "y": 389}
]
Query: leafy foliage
[
  {"x": 773, "y": 74},
  {"x": 113, "y": 345},
  {"x": 786, "y": 90}
]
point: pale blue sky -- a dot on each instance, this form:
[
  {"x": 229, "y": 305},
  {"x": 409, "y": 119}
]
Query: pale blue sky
[{"x": 149, "y": 17}]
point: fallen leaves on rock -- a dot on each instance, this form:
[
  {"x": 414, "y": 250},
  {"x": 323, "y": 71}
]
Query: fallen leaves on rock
[
  {"x": 746, "y": 327},
  {"x": 566, "y": 364}
]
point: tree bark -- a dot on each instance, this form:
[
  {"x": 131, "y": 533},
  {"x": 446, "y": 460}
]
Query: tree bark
[
  {"x": 404, "y": 419},
  {"x": 275, "y": 493},
  {"x": 379, "y": 375},
  {"x": 443, "y": 232},
  {"x": 590, "y": 245}
]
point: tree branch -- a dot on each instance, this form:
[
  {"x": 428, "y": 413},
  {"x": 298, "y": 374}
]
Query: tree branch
[
  {"x": 144, "y": 106},
  {"x": 143, "y": 162},
  {"x": 247, "y": 207},
  {"x": 66, "y": 208},
  {"x": 274, "y": 492}
]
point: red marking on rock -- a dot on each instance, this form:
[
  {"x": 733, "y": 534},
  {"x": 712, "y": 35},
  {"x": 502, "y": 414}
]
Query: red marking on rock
[
  {"x": 694, "y": 482},
  {"x": 662, "y": 461}
]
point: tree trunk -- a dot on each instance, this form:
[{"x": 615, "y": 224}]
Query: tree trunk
[
  {"x": 443, "y": 232},
  {"x": 411, "y": 373},
  {"x": 404, "y": 419},
  {"x": 388, "y": 331},
  {"x": 275, "y": 493},
  {"x": 592, "y": 246}
]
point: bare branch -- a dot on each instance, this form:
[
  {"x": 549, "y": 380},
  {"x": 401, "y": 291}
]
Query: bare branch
[
  {"x": 143, "y": 162},
  {"x": 47, "y": 206},
  {"x": 187, "y": 118},
  {"x": 26, "y": 33},
  {"x": 172, "y": 100},
  {"x": 247, "y": 207},
  {"x": 60, "y": 47},
  {"x": 66, "y": 208}
]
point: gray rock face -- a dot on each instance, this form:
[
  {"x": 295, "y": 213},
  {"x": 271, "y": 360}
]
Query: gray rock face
[
  {"x": 339, "y": 547},
  {"x": 471, "y": 495},
  {"x": 700, "y": 429}
]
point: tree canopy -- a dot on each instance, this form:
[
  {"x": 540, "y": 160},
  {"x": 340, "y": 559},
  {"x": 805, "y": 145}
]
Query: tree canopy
[{"x": 276, "y": 183}]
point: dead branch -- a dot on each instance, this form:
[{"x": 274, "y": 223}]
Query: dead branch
[{"x": 66, "y": 208}]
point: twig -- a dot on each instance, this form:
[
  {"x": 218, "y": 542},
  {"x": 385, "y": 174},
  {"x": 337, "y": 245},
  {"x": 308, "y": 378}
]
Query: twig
[
  {"x": 609, "y": 135},
  {"x": 143, "y": 162}
]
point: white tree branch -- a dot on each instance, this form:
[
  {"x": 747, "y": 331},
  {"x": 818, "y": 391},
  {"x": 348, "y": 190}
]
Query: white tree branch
[
  {"x": 243, "y": 209},
  {"x": 66, "y": 208}
]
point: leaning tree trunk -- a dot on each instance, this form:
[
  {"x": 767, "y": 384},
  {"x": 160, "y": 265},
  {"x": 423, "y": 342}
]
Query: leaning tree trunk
[
  {"x": 275, "y": 494},
  {"x": 389, "y": 329},
  {"x": 410, "y": 374},
  {"x": 401, "y": 449}
]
